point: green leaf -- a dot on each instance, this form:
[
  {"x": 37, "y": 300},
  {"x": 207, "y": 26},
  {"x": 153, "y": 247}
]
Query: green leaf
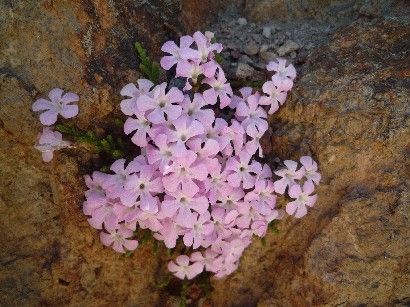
[
  {"x": 147, "y": 66},
  {"x": 127, "y": 254},
  {"x": 105, "y": 169},
  {"x": 218, "y": 58}
]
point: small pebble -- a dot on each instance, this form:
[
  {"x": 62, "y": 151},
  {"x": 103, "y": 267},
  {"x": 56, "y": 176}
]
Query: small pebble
[
  {"x": 242, "y": 21},
  {"x": 267, "y": 56},
  {"x": 245, "y": 59},
  {"x": 267, "y": 31},
  {"x": 244, "y": 71},
  {"x": 251, "y": 48},
  {"x": 288, "y": 47}
]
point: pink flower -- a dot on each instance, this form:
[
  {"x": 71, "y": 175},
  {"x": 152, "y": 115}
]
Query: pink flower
[
  {"x": 253, "y": 145},
  {"x": 233, "y": 250},
  {"x": 303, "y": 199},
  {"x": 129, "y": 105},
  {"x": 114, "y": 184},
  {"x": 193, "y": 109},
  {"x": 161, "y": 103},
  {"x": 262, "y": 197},
  {"x": 58, "y": 104},
  {"x": 205, "y": 48},
  {"x": 275, "y": 96},
  {"x": 284, "y": 76},
  {"x": 223, "y": 223},
  {"x": 235, "y": 134},
  {"x": 185, "y": 129},
  {"x": 119, "y": 239},
  {"x": 146, "y": 219},
  {"x": 219, "y": 88},
  {"x": 251, "y": 113},
  {"x": 107, "y": 213},
  {"x": 141, "y": 126},
  {"x": 210, "y": 260},
  {"x": 245, "y": 92},
  {"x": 48, "y": 142},
  {"x": 143, "y": 186},
  {"x": 178, "y": 54},
  {"x": 184, "y": 171},
  {"x": 168, "y": 233},
  {"x": 181, "y": 203},
  {"x": 182, "y": 268},
  {"x": 247, "y": 215},
  {"x": 230, "y": 198},
  {"x": 216, "y": 131},
  {"x": 259, "y": 227},
  {"x": 206, "y": 153},
  {"x": 191, "y": 70},
  {"x": 217, "y": 182},
  {"x": 310, "y": 168},
  {"x": 95, "y": 194},
  {"x": 196, "y": 234},
  {"x": 241, "y": 170},
  {"x": 288, "y": 174},
  {"x": 162, "y": 155}
]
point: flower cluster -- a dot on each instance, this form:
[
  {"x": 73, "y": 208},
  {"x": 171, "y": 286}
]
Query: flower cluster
[
  {"x": 196, "y": 177},
  {"x": 59, "y": 104}
]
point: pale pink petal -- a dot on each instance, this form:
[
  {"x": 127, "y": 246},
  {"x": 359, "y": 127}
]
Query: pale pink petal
[
  {"x": 69, "y": 111},
  {"x": 48, "y": 118}
]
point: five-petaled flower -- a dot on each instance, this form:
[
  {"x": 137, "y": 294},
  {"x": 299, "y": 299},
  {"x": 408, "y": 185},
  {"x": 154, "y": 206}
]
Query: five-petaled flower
[{"x": 58, "y": 104}]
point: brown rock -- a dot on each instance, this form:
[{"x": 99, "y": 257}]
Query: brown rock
[
  {"x": 349, "y": 109},
  {"x": 243, "y": 71},
  {"x": 49, "y": 254},
  {"x": 288, "y": 47}
]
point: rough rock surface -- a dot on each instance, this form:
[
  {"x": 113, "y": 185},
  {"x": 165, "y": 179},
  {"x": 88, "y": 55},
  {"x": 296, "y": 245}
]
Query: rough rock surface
[
  {"x": 348, "y": 109},
  {"x": 326, "y": 10},
  {"x": 49, "y": 254}
]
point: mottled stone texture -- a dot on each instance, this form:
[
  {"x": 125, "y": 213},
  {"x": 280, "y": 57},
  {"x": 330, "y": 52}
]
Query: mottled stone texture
[
  {"x": 324, "y": 10},
  {"x": 348, "y": 110}
]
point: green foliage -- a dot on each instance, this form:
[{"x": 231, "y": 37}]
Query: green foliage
[
  {"x": 273, "y": 227},
  {"x": 108, "y": 145},
  {"x": 218, "y": 58},
  {"x": 147, "y": 66},
  {"x": 184, "y": 290},
  {"x": 127, "y": 254},
  {"x": 163, "y": 282}
]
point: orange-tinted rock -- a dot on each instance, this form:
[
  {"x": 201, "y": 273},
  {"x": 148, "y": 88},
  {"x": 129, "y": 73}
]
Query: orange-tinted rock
[{"x": 349, "y": 110}]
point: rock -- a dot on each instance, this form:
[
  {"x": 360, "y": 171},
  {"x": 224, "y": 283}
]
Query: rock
[
  {"x": 257, "y": 38},
  {"x": 267, "y": 31},
  {"x": 264, "y": 48},
  {"x": 370, "y": 10},
  {"x": 244, "y": 71},
  {"x": 288, "y": 47},
  {"x": 251, "y": 48},
  {"x": 267, "y": 56},
  {"x": 49, "y": 254},
  {"x": 323, "y": 10},
  {"x": 245, "y": 59},
  {"x": 242, "y": 21},
  {"x": 349, "y": 110},
  {"x": 236, "y": 54},
  {"x": 280, "y": 39}
]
